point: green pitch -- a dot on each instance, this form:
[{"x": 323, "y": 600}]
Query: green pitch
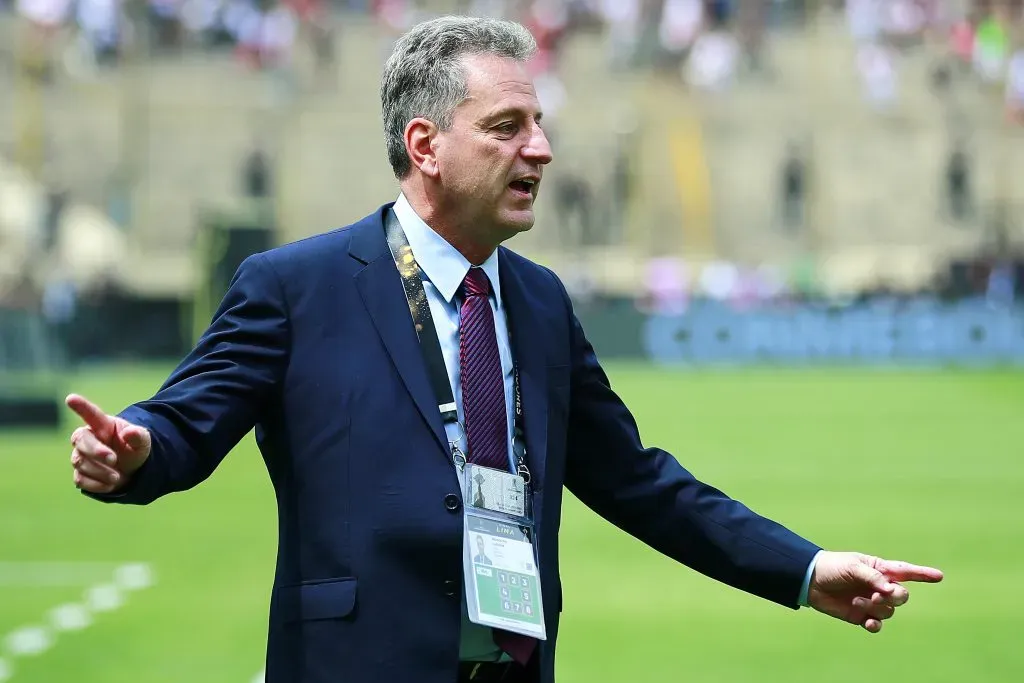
[{"x": 923, "y": 466}]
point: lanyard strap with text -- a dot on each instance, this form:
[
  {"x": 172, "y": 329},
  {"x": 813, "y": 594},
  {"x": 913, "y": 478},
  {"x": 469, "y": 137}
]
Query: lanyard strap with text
[{"x": 430, "y": 345}]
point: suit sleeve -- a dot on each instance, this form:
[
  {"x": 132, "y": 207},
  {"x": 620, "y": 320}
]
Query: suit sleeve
[
  {"x": 647, "y": 493},
  {"x": 217, "y": 393}
]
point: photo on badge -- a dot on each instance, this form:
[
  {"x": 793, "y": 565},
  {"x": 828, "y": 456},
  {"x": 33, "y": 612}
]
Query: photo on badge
[{"x": 494, "y": 490}]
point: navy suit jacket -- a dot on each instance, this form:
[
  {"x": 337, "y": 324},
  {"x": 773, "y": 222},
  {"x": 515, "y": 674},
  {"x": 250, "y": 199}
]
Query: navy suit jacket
[{"x": 313, "y": 345}]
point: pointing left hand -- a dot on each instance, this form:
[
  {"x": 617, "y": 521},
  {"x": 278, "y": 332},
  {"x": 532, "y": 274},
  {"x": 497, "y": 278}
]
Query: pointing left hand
[{"x": 861, "y": 589}]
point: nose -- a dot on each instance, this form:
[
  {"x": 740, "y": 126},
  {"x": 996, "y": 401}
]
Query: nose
[{"x": 538, "y": 149}]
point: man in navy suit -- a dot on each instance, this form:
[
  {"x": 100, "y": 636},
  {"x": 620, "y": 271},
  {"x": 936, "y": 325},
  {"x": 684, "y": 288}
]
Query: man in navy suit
[
  {"x": 315, "y": 347},
  {"x": 481, "y": 552}
]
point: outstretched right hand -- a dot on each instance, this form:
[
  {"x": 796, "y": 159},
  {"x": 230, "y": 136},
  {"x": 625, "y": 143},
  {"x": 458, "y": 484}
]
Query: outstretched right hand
[{"x": 107, "y": 450}]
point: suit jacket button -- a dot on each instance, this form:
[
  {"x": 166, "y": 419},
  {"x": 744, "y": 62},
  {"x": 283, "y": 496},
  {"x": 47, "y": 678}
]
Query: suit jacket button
[
  {"x": 449, "y": 588},
  {"x": 452, "y": 502}
]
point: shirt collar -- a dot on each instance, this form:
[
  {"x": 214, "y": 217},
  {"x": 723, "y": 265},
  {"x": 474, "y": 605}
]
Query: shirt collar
[{"x": 442, "y": 263}]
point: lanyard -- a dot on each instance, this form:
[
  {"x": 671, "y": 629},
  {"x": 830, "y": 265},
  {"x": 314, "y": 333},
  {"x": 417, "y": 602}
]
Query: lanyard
[{"x": 430, "y": 345}]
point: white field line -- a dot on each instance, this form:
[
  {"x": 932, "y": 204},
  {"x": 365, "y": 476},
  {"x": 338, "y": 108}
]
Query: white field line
[{"x": 105, "y": 592}]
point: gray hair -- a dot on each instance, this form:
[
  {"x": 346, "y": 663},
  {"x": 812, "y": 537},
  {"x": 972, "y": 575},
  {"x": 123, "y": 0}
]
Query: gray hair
[{"x": 425, "y": 78}]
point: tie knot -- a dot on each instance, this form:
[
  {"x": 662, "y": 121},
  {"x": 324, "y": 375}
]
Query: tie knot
[{"x": 476, "y": 283}]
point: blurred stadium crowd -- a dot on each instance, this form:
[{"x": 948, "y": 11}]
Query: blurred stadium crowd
[
  {"x": 713, "y": 37},
  {"x": 738, "y": 150}
]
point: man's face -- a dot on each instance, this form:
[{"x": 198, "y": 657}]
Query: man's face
[
  {"x": 480, "y": 545},
  {"x": 491, "y": 159}
]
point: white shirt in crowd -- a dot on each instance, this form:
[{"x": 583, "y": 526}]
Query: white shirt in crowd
[
  {"x": 1015, "y": 80},
  {"x": 904, "y": 17},
  {"x": 713, "y": 61},
  {"x": 878, "y": 73},
  {"x": 864, "y": 17},
  {"x": 49, "y": 13},
  {"x": 272, "y": 33},
  {"x": 99, "y": 20},
  {"x": 620, "y": 12},
  {"x": 681, "y": 22}
]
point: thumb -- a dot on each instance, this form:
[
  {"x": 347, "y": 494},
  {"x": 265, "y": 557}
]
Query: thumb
[
  {"x": 873, "y": 578},
  {"x": 134, "y": 437}
]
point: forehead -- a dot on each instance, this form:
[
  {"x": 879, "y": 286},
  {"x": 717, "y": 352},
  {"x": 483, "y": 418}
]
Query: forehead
[{"x": 493, "y": 82}]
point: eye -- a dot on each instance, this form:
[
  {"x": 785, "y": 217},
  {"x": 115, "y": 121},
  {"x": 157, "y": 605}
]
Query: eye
[{"x": 508, "y": 128}]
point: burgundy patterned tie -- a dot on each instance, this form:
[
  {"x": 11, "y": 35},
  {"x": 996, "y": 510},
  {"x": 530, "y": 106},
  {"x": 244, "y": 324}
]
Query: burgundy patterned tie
[
  {"x": 483, "y": 406},
  {"x": 483, "y": 385}
]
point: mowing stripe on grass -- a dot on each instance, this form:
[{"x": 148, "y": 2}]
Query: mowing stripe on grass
[{"x": 54, "y": 574}]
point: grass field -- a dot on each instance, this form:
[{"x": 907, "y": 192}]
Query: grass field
[{"x": 924, "y": 466}]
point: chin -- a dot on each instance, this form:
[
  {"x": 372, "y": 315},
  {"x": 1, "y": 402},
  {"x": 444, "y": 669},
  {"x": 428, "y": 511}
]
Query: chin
[{"x": 517, "y": 221}]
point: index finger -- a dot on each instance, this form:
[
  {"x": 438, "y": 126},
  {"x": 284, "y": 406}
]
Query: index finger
[
  {"x": 97, "y": 420},
  {"x": 895, "y": 570}
]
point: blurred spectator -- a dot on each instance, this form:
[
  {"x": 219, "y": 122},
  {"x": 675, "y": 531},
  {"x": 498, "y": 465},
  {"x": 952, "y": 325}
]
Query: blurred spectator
[
  {"x": 266, "y": 35},
  {"x": 751, "y": 18},
  {"x": 904, "y": 21},
  {"x": 999, "y": 226},
  {"x": 793, "y": 186},
  {"x": 769, "y": 283},
  {"x": 623, "y": 21},
  {"x": 720, "y": 280},
  {"x": 214, "y": 22},
  {"x": 879, "y": 76},
  {"x": 621, "y": 191},
  {"x": 712, "y": 62},
  {"x": 59, "y": 305},
  {"x": 165, "y": 23},
  {"x": 22, "y": 294},
  {"x": 1015, "y": 87},
  {"x": 552, "y": 95},
  {"x": 962, "y": 40},
  {"x": 719, "y": 12},
  {"x": 992, "y": 47},
  {"x": 958, "y": 183},
  {"x": 548, "y": 21},
  {"x": 667, "y": 290},
  {"x": 864, "y": 20},
  {"x": 573, "y": 203},
  {"x": 680, "y": 26},
  {"x": 1002, "y": 285},
  {"x": 314, "y": 21},
  {"x": 45, "y": 19},
  {"x": 99, "y": 23},
  {"x": 804, "y": 280},
  {"x": 393, "y": 17},
  {"x": 56, "y": 202},
  {"x": 256, "y": 175},
  {"x": 942, "y": 79}
]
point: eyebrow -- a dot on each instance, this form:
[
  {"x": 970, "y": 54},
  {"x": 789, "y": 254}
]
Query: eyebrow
[{"x": 514, "y": 112}]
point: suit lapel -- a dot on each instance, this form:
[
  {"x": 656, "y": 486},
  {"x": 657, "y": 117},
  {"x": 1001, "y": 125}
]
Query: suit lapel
[
  {"x": 381, "y": 290},
  {"x": 525, "y": 331}
]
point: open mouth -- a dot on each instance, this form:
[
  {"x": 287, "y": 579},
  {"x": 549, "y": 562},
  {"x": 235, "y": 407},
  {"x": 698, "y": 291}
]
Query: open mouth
[{"x": 522, "y": 187}]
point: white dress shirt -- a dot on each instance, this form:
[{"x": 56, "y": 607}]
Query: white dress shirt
[{"x": 444, "y": 269}]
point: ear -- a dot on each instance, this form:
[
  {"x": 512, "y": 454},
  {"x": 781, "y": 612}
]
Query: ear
[{"x": 420, "y": 135}]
